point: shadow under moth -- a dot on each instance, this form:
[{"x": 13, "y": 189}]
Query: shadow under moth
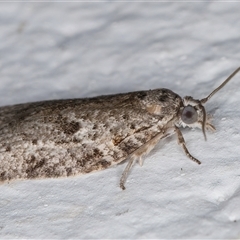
[{"x": 63, "y": 138}]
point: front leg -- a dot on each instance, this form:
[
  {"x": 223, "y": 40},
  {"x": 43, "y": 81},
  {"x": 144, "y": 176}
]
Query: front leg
[{"x": 181, "y": 142}]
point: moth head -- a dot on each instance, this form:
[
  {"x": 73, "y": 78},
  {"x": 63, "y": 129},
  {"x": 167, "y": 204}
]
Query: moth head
[{"x": 193, "y": 114}]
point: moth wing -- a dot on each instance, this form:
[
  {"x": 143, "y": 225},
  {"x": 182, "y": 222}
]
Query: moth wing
[{"x": 69, "y": 137}]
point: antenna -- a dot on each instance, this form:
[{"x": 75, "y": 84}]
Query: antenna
[{"x": 204, "y": 100}]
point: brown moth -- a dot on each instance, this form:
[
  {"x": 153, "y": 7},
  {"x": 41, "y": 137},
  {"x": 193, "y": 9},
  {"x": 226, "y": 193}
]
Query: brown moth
[{"x": 62, "y": 138}]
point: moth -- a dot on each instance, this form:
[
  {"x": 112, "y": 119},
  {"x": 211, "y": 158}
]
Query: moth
[{"x": 63, "y": 138}]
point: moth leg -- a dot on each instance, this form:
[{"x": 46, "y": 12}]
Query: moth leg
[
  {"x": 125, "y": 173},
  {"x": 181, "y": 142},
  {"x": 139, "y": 153},
  {"x": 140, "y": 161}
]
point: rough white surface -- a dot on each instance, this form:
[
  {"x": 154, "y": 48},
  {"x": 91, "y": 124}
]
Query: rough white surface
[{"x": 67, "y": 50}]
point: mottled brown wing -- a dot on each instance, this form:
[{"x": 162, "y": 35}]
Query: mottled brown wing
[{"x": 68, "y": 137}]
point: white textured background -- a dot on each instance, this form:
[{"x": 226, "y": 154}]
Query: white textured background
[{"x": 68, "y": 50}]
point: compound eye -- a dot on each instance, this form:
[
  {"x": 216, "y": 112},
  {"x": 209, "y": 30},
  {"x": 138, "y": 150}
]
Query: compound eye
[{"x": 189, "y": 115}]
